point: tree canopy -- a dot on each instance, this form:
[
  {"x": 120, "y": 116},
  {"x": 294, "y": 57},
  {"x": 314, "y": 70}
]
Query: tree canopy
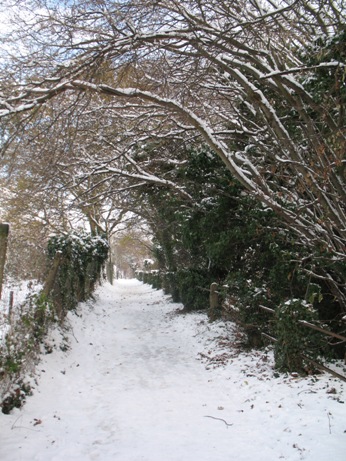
[{"x": 117, "y": 92}]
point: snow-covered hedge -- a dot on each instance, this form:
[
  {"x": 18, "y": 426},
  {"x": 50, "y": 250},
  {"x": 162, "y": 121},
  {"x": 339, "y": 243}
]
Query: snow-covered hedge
[
  {"x": 81, "y": 258},
  {"x": 77, "y": 260}
]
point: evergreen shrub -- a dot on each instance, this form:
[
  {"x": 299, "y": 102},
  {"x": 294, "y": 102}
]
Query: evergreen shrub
[
  {"x": 170, "y": 285},
  {"x": 190, "y": 281},
  {"x": 82, "y": 259},
  {"x": 20, "y": 347},
  {"x": 293, "y": 339}
]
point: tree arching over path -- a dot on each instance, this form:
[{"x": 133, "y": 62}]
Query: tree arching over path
[{"x": 237, "y": 75}]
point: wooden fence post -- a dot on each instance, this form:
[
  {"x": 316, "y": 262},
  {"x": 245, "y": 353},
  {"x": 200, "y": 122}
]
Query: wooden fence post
[
  {"x": 213, "y": 302},
  {"x": 4, "y": 231},
  {"x": 10, "y": 306}
]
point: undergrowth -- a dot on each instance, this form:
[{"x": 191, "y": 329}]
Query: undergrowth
[{"x": 76, "y": 263}]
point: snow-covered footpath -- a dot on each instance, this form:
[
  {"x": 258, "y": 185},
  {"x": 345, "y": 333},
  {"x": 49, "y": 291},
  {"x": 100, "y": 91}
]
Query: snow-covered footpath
[{"x": 143, "y": 383}]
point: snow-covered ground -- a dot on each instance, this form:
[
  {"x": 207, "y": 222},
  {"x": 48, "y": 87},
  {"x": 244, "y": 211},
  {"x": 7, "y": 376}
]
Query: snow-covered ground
[
  {"x": 20, "y": 291},
  {"x": 141, "y": 382}
]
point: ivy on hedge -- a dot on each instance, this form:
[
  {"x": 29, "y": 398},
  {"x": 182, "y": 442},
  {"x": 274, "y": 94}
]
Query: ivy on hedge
[
  {"x": 82, "y": 258},
  {"x": 293, "y": 339},
  {"x": 225, "y": 236}
]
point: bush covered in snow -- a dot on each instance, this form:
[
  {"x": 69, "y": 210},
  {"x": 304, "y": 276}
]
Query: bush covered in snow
[
  {"x": 81, "y": 258},
  {"x": 76, "y": 262}
]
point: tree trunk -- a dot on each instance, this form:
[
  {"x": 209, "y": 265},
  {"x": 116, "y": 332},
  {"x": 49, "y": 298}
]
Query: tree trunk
[{"x": 50, "y": 280}]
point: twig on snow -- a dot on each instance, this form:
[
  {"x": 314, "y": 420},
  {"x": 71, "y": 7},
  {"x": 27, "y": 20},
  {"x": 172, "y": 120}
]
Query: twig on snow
[
  {"x": 21, "y": 427},
  {"x": 14, "y": 424},
  {"x": 330, "y": 426},
  {"x": 220, "y": 419}
]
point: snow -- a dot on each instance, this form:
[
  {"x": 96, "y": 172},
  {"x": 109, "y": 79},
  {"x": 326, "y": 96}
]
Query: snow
[
  {"x": 143, "y": 381},
  {"x": 21, "y": 289}
]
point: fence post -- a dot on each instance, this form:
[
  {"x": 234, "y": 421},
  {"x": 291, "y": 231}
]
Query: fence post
[
  {"x": 4, "y": 231},
  {"x": 10, "y": 307},
  {"x": 213, "y": 302}
]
